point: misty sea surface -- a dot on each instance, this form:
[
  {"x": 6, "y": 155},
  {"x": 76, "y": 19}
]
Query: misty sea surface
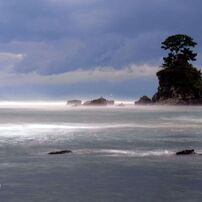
[{"x": 120, "y": 154}]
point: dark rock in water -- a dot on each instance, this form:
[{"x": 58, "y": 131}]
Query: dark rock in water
[
  {"x": 74, "y": 102},
  {"x": 99, "y": 102},
  {"x": 186, "y": 152},
  {"x": 144, "y": 100},
  {"x": 60, "y": 152}
]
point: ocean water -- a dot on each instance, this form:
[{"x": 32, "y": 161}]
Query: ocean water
[{"x": 119, "y": 153}]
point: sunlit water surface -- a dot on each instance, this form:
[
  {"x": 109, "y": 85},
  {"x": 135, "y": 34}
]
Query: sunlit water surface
[{"x": 119, "y": 153}]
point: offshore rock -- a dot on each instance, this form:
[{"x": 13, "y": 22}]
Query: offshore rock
[
  {"x": 60, "y": 152},
  {"x": 186, "y": 152},
  {"x": 99, "y": 102},
  {"x": 144, "y": 100},
  {"x": 74, "y": 102}
]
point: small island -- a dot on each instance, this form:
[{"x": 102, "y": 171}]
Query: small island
[
  {"x": 180, "y": 83},
  {"x": 99, "y": 102},
  {"x": 74, "y": 102}
]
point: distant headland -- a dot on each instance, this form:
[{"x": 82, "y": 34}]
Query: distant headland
[{"x": 180, "y": 83}]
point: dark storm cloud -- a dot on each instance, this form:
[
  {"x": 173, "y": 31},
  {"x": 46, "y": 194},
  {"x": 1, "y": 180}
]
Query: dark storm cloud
[{"x": 62, "y": 35}]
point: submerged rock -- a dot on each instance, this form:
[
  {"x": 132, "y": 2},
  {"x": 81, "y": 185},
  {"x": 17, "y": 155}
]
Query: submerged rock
[
  {"x": 60, "y": 152},
  {"x": 186, "y": 152}
]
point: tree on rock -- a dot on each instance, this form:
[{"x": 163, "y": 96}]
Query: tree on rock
[
  {"x": 179, "y": 80},
  {"x": 180, "y": 53}
]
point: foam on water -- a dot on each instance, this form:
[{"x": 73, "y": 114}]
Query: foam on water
[
  {"x": 189, "y": 119},
  {"x": 75, "y": 127},
  {"x": 28, "y": 128},
  {"x": 127, "y": 153}
]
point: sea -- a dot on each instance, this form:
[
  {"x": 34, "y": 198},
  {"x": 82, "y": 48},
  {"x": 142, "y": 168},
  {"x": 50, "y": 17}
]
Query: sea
[{"x": 119, "y": 154}]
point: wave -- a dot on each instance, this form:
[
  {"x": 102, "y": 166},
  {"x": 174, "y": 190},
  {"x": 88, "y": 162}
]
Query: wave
[
  {"x": 97, "y": 126},
  {"x": 67, "y": 126},
  {"x": 127, "y": 153},
  {"x": 189, "y": 119}
]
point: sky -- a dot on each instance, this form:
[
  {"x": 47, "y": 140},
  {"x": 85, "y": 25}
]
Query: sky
[{"x": 61, "y": 49}]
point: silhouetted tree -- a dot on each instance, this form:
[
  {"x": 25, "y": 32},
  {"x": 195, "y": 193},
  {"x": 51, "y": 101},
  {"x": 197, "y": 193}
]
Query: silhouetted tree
[{"x": 180, "y": 52}]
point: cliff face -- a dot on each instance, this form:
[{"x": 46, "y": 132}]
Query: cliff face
[{"x": 179, "y": 85}]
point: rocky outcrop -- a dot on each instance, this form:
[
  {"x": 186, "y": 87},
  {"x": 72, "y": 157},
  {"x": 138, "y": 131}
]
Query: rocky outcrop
[
  {"x": 99, "y": 102},
  {"x": 172, "y": 95},
  {"x": 144, "y": 100},
  {"x": 179, "y": 85},
  {"x": 186, "y": 152},
  {"x": 60, "y": 152},
  {"x": 74, "y": 102}
]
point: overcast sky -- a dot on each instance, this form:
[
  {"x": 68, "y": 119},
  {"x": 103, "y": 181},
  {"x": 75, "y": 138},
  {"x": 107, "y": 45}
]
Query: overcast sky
[{"x": 57, "y": 49}]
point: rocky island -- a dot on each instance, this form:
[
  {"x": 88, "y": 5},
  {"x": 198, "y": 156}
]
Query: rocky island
[
  {"x": 74, "y": 102},
  {"x": 99, "y": 102},
  {"x": 144, "y": 100},
  {"x": 180, "y": 83}
]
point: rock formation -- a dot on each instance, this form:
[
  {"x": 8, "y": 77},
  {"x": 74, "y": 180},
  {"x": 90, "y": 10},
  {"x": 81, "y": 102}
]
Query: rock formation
[
  {"x": 186, "y": 152},
  {"x": 74, "y": 102},
  {"x": 180, "y": 83},
  {"x": 60, "y": 152},
  {"x": 99, "y": 102},
  {"x": 144, "y": 100}
]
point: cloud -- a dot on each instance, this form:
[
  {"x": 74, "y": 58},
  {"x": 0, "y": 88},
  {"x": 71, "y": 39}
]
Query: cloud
[
  {"x": 108, "y": 74},
  {"x": 64, "y": 35},
  {"x": 70, "y": 54},
  {"x": 9, "y": 60},
  {"x": 53, "y": 42}
]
